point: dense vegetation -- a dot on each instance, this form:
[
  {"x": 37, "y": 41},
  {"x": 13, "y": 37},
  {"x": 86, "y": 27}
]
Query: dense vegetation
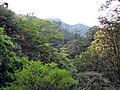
[{"x": 38, "y": 54}]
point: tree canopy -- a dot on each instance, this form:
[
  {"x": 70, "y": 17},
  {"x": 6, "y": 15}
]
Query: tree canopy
[{"x": 37, "y": 54}]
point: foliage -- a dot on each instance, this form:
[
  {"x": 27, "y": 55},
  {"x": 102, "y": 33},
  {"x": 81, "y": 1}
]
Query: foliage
[
  {"x": 113, "y": 28},
  {"x": 37, "y": 54},
  {"x": 35, "y": 76},
  {"x": 8, "y": 21},
  {"x": 63, "y": 62},
  {"x": 37, "y": 38},
  {"x": 8, "y": 60},
  {"x": 75, "y": 47},
  {"x": 107, "y": 4},
  {"x": 93, "y": 81},
  {"x": 103, "y": 54},
  {"x": 90, "y": 33}
]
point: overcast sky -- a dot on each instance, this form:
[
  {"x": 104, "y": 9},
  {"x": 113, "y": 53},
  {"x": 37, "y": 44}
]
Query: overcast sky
[{"x": 69, "y": 11}]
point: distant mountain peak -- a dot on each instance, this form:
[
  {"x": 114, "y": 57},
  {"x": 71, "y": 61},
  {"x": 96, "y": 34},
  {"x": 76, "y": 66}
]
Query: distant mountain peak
[{"x": 81, "y": 28}]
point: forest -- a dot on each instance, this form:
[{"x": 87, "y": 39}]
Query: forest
[{"x": 38, "y": 54}]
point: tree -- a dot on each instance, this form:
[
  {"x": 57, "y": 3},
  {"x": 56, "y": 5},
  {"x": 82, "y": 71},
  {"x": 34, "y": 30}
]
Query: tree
[
  {"x": 37, "y": 38},
  {"x": 108, "y": 3},
  {"x": 35, "y": 76},
  {"x": 113, "y": 28},
  {"x": 103, "y": 54},
  {"x": 9, "y": 63},
  {"x": 91, "y": 32},
  {"x": 8, "y": 21},
  {"x": 93, "y": 81},
  {"x": 75, "y": 47}
]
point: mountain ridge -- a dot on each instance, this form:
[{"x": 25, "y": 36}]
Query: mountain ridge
[{"x": 76, "y": 28}]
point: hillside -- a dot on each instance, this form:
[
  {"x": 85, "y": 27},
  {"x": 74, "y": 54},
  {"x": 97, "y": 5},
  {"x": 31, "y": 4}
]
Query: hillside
[
  {"x": 76, "y": 28},
  {"x": 38, "y": 54}
]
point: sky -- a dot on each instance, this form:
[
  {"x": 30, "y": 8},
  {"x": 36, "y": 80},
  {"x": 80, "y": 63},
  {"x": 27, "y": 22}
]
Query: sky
[{"x": 69, "y": 11}]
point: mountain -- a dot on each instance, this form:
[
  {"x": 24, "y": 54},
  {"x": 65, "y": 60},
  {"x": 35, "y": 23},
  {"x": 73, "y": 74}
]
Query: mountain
[{"x": 77, "y": 28}]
